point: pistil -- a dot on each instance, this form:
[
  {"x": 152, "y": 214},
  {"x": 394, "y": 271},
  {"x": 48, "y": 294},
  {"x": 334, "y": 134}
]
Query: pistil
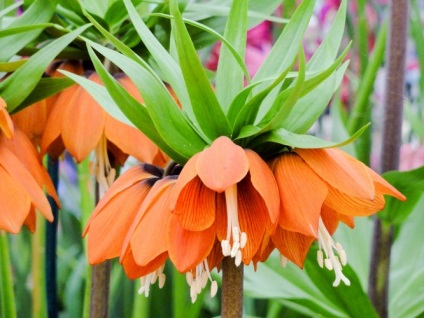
[{"x": 234, "y": 234}]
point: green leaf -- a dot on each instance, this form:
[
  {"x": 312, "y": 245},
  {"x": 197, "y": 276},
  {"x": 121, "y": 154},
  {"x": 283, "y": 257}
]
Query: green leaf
[
  {"x": 163, "y": 110},
  {"x": 410, "y": 184},
  {"x": 132, "y": 109},
  {"x": 24, "y": 79},
  {"x": 287, "y": 138},
  {"x": 40, "y": 11},
  {"x": 229, "y": 76},
  {"x": 352, "y": 299},
  {"x": 205, "y": 105},
  {"x": 287, "y": 45},
  {"x": 11, "y": 66},
  {"x": 22, "y": 29},
  {"x": 45, "y": 88}
]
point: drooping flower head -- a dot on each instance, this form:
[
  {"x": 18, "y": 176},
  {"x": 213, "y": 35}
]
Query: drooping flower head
[{"x": 23, "y": 178}]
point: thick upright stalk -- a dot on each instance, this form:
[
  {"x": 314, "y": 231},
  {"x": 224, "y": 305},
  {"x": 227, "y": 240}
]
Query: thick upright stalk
[
  {"x": 100, "y": 281},
  {"x": 383, "y": 233},
  {"x": 232, "y": 289},
  {"x": 7, "y": 297},
  {"x": 51, "y": 243}
]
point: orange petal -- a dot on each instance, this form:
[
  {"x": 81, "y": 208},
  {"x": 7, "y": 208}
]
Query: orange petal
[
  {"x": 132, "y": 176},
  {"x": 195, "y": 208},
  {"x": 13, "y": 166},
  {"x": 133, "y": 270},
  {"x": 148, "y": 240},
  {"x": 383, "y": 187},
  {"x": 154, "y": 198},
  {"x": 187, "y": 249},
  {"x": 83, "y": 122},
  {"x": 302, "y": 194},
  {"x": 109, "y": 225},
  {"x": 215, "y": 257},
  {"x": 187, "y": 174},
  {"x": 15, "y": 203},
  {"x": 264, "y": 182},
  {"x": 253, "y": 215},
  {"x": 351, "y": 206},
  {"x": 222, "y": 165},
  {"x": 32, "y": 120},
  {"x": 341, "y": 171},
  {"x": 130, "y": 140},
  {"x": 329, "y": 217},
  {"x": 294, "y": 246},
  {"x": 6, "y": 124},
  {"x": 264, "y": 250},
  {"x": 31, "y": 220}
]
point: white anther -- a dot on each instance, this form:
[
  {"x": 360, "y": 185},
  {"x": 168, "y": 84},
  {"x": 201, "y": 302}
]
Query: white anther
[
  {"x": 343, "y": 257},
  {"x": 238, "y": 258},
  {"x": 235, "y": 249},
  {"x": 162, "y": 279},
  {"x": 226, "y": 248},
  {"x": 189, "y": 278},
  {"x": 214, "y": 288},
  {"x": 328, "y": 264},
  {"x": 320, "y": 258},
  {"x": 243, "y": 239}
]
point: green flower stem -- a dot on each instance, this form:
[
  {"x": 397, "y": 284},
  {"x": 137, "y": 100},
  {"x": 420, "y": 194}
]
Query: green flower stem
[
  {"x": 179, "y": 294},
  {"x": 7, "y": 297},
  {"x": 87, "y": 206},
  {"x": 232, "y": 289},
  {"x": 383, "y": 233},
  {"x": 39, "y": 301}
]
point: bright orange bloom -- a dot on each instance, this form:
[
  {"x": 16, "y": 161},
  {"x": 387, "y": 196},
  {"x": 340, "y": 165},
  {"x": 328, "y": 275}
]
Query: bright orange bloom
[
  {"x": 318, "y": 188},
  {"x": 80, "y": 125},
  {"x": 224, "y": 192},
  {"x": 23, "y": 177},
  {"x": 32, "y": 120}
]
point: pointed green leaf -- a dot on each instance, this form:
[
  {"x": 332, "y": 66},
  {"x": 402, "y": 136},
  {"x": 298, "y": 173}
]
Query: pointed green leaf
[
  {"x": 45, "y": 88},
  {"x": 40, "y": 11},
  {"x": 205, "y": 105},
  {"x": 133, "y": 110},
  {"x": 23, "y": 29},
  {"x": 11, "y": 66},
  {"x": 287, "y": 138},
  {"x": 163, "y": 110},
  {"x": 411, "y": 184},
  {"x": 229, "y": 76},
  {"x": 26, "y": 77},
  {"x": 287, "y": 45}
]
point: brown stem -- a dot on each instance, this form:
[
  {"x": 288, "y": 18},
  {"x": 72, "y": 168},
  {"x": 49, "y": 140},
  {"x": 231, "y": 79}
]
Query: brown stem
[
  {"x": 378, "y": 284},
  {"x": 100, "y": 278},
  {"x": 99, "y": 298},
  {"x": 232, "y": 289}
]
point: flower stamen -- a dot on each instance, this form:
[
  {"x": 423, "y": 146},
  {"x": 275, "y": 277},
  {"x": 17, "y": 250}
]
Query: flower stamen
[
  {"x": 105, "y": 174},
  {"x": 151, "y": 279},
  {"x": 198, "y": 282},
  {"x": 234, "y": 234},
  {"x": 331, "y": 262}
]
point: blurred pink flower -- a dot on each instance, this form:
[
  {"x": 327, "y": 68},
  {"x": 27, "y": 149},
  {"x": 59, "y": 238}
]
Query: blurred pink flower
[
  {"x": 411, "y": 157},
  {"x": 259, "y": 43}
]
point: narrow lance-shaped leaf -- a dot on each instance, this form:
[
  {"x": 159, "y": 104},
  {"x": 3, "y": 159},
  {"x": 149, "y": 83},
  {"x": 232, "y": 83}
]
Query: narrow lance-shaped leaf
[
  {"x": 206, "y": 108},
  {"x": 229, "y": 76},
  {"x": 287, "y": 138},
  {"x": 132, "y": 109},
  {"x": 26, "y": 77},
  {"x": 163, "y": 110},
  {"x": 40, "y": 11},
  {"x": 287, "y": 45}
]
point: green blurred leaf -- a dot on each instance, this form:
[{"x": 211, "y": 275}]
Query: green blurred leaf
[
  {"x": 206, "y": 108},
  {"x": 40, "y": 11},
  {"x": 410, "y": 184},
  {"x": 28, "y": 75},
  {"x": 287, "y": 138},
  {"x": 229, "y": 76},
  {"x": 11, "y": 66}
]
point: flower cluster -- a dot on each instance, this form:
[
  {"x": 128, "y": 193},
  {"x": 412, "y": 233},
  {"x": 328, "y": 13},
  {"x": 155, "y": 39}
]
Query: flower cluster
[{"x": 228, "y": 202}]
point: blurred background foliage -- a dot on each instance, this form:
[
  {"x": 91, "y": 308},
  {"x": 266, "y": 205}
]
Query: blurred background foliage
[{"x": 270, "y": 291}]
